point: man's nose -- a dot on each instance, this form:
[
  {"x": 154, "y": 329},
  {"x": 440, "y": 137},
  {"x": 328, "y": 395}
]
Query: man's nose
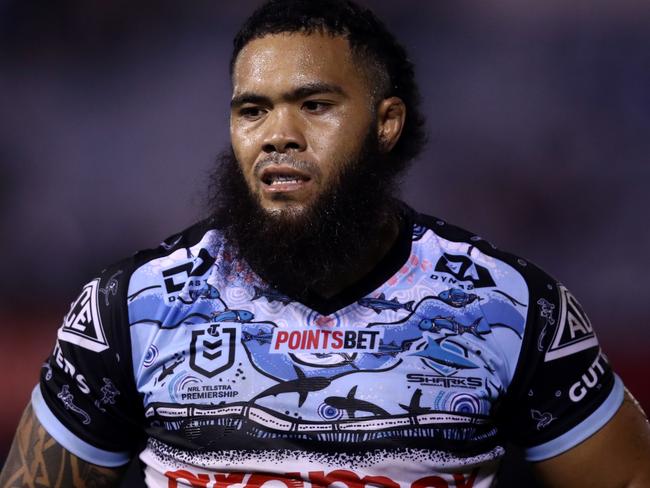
[{"x": 284, "y": 133}]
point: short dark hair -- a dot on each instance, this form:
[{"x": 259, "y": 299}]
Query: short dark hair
[{"x": 386, "y": 59}]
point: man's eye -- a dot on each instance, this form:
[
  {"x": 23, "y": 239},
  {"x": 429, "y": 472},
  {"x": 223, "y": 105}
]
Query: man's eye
[
  {"x": 251, "y": 112},
  {"x": 315, "y": 106}
]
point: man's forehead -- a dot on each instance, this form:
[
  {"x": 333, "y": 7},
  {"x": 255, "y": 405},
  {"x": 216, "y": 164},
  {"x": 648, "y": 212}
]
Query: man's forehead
[
  {"x": 293, "y": 41},
  {"x": 305, "y": 58}
]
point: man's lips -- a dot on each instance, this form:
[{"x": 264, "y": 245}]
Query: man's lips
[{"x": 280, "y": 178}]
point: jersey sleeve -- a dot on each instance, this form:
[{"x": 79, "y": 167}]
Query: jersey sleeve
[
  {"x": 86, "y": 398},
  {"x": 564, "y": 389}
]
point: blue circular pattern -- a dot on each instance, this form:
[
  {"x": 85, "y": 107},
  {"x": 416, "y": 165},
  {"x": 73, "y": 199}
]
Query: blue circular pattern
[
  {"x": 465, "y": 404},
  {"x": 328, "y": 412},
  {"x": 150, "y": 357}
]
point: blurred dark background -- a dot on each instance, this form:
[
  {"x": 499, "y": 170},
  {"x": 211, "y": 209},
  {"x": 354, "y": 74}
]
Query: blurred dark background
[{"x": 111, "y": 114}]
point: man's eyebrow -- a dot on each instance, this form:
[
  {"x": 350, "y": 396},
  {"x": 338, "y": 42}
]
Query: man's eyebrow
[
  {"x": 309, "y": 89},
  {"x": 253, "y": 98},
  {"x": 299, "y": 93}
]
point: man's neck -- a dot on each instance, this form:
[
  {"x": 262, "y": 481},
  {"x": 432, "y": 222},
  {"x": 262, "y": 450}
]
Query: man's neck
[{"x": 376, "y": 251}]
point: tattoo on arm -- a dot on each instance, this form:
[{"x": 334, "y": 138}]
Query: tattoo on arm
[{"x": 36, "y": 460}]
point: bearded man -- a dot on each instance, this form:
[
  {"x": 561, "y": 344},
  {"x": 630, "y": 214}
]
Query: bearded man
[{"x": 316, "y": 331}]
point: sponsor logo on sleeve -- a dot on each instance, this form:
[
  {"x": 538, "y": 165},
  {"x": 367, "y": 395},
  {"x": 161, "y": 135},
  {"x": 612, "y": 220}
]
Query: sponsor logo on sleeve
[
  {"x": 574, "y": 332},
  {"x": 463, "y": 269},
  {"x": 83, "y": 325},
  {"x": 68, "y": 368},
  {"x": 589, "y": 380},
  {"x": 176, "y": 278}
]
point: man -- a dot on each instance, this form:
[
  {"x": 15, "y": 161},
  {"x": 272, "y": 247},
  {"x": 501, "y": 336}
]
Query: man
[{"x": 315, "y": 330}]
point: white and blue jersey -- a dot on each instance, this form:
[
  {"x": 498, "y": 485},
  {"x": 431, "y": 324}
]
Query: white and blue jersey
[{"x": 414, "y": 377}]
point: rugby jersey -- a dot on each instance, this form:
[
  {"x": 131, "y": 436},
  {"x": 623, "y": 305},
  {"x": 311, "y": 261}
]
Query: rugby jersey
[{"x": 414, "y": 377}]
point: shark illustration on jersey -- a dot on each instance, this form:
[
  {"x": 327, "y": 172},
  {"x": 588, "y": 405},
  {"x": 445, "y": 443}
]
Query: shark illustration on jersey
[
  {"x": 431, "y": 318},
  {"x": 168, "y": 370},
  {"x": 392, "y": 348},
  {"x": 352, "y": 405},
  {"x": 199, "y": 313},
  {"x": 414, "y": 407},
  {"x": 380, "y": 304},
  {"x": 262, "y": 337},
  {"x": 302, "y": 385},
  {"x": 436, "y": 353},
  {"x": 434, "y": 347},
  {"x": 436, "y": 324},
  {"x": 270, "y": 295}
]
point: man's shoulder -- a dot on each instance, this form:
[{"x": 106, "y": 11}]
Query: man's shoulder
[
  {"x": 203, "y": 233},
  {"x": 173, "y": 248},
  {"x": 459, "y": 245},
  {"x": 114, "y": 283}
]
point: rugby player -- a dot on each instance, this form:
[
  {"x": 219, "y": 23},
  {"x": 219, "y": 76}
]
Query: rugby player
[{"x": 315, "y": 330}]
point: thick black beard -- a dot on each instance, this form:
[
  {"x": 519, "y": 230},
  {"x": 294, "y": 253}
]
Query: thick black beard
[{"x": 298, "y": 254}]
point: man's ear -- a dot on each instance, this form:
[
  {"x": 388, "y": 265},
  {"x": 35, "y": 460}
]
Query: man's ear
[{"x": 391, "y": 115}]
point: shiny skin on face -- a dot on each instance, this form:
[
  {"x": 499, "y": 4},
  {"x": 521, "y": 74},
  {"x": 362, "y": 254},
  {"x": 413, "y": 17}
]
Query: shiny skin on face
[{"x": 301, "y": 110}]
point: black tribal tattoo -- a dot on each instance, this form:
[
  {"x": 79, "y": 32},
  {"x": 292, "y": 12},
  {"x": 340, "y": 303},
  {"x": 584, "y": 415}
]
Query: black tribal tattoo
[{"x": 36, "y": 460}]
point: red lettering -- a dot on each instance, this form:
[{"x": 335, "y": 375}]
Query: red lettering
[
  {"x": 225, "y": 480},
  {"x": 312, "y": 339},
  {"x": 280, "y": 338},
  {"x": 430, "y": 482},
  {"x": 196, "y": 480},
  {"x": 326, "y": 338},
  {"x": 337, "y": 339},
  {"x": 291, "y": 480},
  {"x": 320, "y": 479},
  {"x": 382, "y": 481},
  {"x": 461, "y": 482},
  {"x": 294, "y": 340}
]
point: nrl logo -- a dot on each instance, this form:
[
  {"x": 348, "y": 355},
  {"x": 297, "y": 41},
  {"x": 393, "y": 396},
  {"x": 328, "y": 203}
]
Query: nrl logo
[
  {"x": 83, "y": 325},
  {"x": 213, "y": 350}
]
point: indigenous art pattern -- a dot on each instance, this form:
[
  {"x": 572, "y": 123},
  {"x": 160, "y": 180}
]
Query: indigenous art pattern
[{"x": 408, "y": 385}]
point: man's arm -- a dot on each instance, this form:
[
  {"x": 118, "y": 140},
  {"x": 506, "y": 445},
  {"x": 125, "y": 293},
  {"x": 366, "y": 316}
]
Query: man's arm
[
  {"x": 37, "y": 460},
  {"x": 618, "y": 455}
]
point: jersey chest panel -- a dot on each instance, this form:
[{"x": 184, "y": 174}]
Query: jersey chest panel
[{"x": 422, "y": 358}]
